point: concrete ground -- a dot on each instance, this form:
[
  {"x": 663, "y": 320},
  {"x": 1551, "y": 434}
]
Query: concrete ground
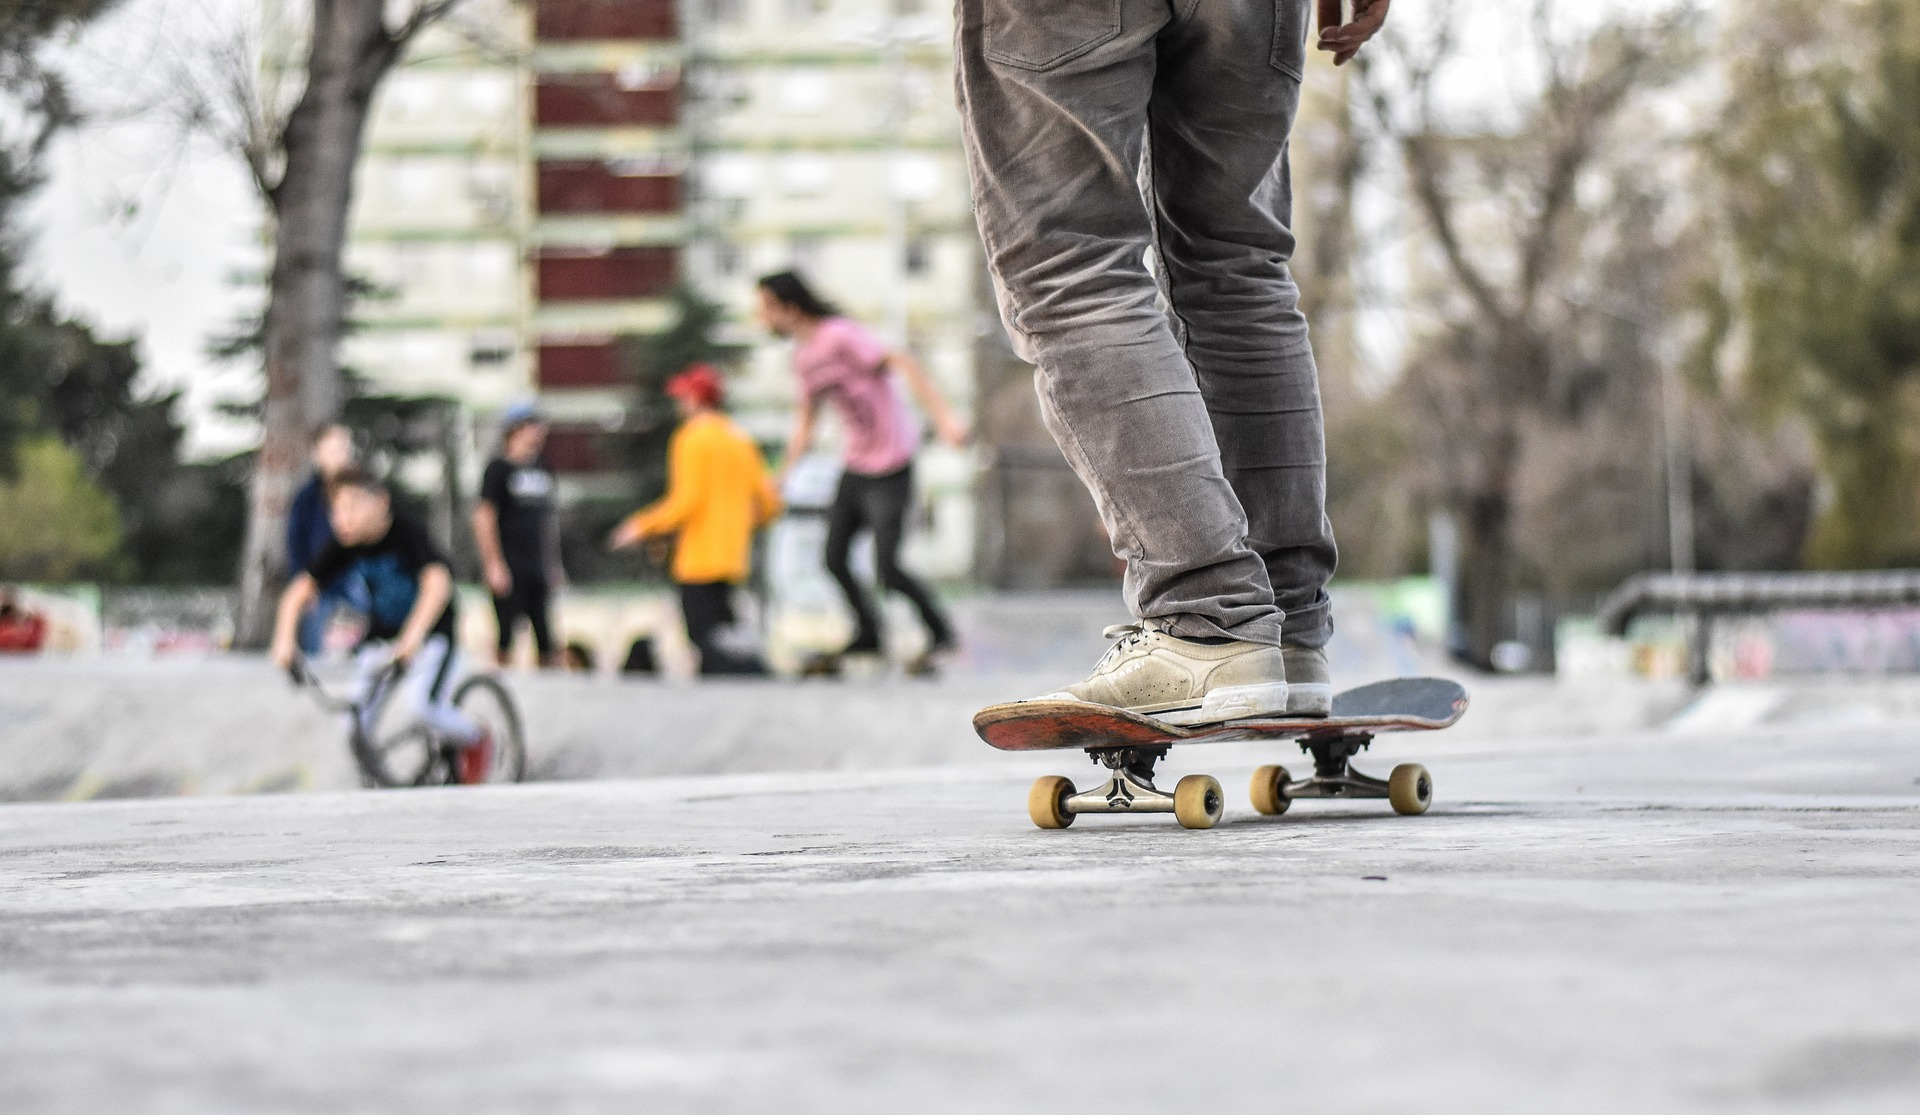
[{"x": 1714, "y": 921}]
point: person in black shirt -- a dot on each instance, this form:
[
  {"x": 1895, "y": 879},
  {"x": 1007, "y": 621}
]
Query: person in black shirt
[
  {"x": 514, "y": 528},
  {"x": 410, "y": 594}
]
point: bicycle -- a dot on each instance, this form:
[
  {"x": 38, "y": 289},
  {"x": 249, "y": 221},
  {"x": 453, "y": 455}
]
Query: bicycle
[{"x": 412, "y": 753}]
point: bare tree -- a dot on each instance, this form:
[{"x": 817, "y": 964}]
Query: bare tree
[
  {"x": 301, "y": 140},
  {"x": 1510, "y": 229}
]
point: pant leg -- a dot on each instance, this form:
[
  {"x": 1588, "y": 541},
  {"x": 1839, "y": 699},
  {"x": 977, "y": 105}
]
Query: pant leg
[
  {"x": 427, "y": 688},
  {"x": 888, "y": 500},
  {"x": 844, "y": 520},
  {"x": 1224, "y": 102},
  {"x": 506, "y": 616},
  {"x": 1055, "y": 102},
  {"x": 702, "y": 609},
  {"x": 535, "y": 597},
  {"x": 708, "y": 607}
]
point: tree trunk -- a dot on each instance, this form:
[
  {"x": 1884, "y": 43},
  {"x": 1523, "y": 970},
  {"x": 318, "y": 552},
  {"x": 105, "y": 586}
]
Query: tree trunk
[
  {"x": 306, "y": 293},
  {"x": 1484, "y": 593}
]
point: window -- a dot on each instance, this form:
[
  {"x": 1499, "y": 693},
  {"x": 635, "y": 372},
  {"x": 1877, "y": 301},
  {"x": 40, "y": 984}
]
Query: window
[
  {"x": 915, "y": 177},
  {"x": 802, "y": 92},
  {"x": 490, "y": 347},
  {"x": 918, "y": 256},
  {"x": 806, "y": 175},
  {"x": 730, "y": 176}
]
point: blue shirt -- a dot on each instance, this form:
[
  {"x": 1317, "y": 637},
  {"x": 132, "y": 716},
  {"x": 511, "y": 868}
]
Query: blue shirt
[{"x": 309, "y": 531}]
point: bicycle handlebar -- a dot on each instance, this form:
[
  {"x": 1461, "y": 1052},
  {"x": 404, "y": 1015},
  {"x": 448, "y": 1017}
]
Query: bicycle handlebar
[{"x": 303, "y": 677}]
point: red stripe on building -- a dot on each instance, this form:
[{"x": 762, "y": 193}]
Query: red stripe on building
[
  {"x": 585, "y": 365},
  {"x": 575, "y": 449},
  {"x": 613, "y": 275},
  {"x": 594, "y": 187},
  {"x": 598, "y": 101},
  {"x": 561, "y": 20}
]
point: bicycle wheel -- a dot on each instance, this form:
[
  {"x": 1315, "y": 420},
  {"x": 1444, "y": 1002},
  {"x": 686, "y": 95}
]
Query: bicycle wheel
[
  {"x": 391, "y": 747},
  {"x": 487, "y": 702}
]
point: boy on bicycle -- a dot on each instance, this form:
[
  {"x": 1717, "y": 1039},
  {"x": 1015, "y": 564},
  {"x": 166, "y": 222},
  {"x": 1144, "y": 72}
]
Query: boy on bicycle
[{"x": 412, "y": 607}]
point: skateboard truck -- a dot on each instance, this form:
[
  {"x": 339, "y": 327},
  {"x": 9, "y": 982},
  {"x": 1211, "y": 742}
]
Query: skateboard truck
[
  {"x": 1409, "y": 790},
  {"x": 1130, "y": 788},
  {"x": 1196, "y": 802},
  {"x": 1333, "y": 773}
]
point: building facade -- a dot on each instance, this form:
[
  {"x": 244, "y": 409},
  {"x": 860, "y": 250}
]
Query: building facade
[{"x": 539, "y": 177}]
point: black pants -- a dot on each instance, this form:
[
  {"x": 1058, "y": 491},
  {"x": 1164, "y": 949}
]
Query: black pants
[
  {"x": 527, "y": 598},
  {"x": 878, "y": 504},
  {"x": 708, "y": 606}
]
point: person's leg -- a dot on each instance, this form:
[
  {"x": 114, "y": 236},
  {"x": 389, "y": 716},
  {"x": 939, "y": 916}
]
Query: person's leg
[
  {"x": 536, "y": 600},
  {"x": 844, "y": 520},
  {"x": 427, "y": 688},
  {"x": 708, "y": 607},
  {"x": 698, "y": 608},
  {"x": 1055, "y": 105},
  {"x": 1224, "y": 101},
  {"x": 506, "y": 616},
  {"x": 888, "y": 500}
]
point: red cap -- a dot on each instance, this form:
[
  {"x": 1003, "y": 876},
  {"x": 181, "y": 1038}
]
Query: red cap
[{"x": 700, "y": 384}]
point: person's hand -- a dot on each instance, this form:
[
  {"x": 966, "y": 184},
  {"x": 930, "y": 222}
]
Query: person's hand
[
  {"x": 623, "y": 536},
  {"x": 405, "y": 647},
  {"x": 499, "y": 578},
  {"x": 283, "y": 652},
  {"x": 1344, "y": 40},
  {"x": 952, "y": 431}
]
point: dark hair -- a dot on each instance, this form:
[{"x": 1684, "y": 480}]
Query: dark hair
[
  {"x": 355, "y": 477},
  {"x": 793, "y": 290}
]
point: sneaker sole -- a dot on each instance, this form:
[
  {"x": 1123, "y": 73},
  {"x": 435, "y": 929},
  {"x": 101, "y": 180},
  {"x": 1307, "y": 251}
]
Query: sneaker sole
[
  {"x": 1233, "y": 702},
  {"x": 1313, "y": 699}
]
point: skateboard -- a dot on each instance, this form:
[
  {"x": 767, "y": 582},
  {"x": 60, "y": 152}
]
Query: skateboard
[{"x": 1129, "y": 745}]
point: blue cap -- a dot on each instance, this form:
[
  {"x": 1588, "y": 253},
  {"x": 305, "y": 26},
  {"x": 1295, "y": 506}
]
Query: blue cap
[{"x": 519, "y": 414}]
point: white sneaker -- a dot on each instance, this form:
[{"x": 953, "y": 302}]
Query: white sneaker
[{"x": 1181, "y": 681}]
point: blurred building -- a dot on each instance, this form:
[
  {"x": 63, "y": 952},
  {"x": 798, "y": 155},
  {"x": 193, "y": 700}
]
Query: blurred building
[{"x": 539, "y": 176}]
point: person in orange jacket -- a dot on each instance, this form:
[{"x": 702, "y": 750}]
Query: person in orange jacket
[{"x": 718, "y": 493}]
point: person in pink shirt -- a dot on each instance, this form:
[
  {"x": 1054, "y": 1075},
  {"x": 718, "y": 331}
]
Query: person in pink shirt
[{"x": 840, "y": 363}]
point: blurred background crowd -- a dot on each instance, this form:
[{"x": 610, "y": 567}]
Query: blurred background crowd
[{"x": 1596, "y": 290}]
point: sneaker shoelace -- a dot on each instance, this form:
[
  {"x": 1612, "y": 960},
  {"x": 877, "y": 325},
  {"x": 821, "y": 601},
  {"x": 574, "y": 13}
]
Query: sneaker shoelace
[{"x": 1128, "y": 635}]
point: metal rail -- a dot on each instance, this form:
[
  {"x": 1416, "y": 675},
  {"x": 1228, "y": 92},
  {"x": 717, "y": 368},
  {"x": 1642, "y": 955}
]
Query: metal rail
[{"x": 1702, "y": 597}]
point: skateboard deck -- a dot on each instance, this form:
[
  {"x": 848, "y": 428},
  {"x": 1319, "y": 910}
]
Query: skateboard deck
[
  {"x": 1129, "y": 744},
  {"x": 1397, "y": 705}
]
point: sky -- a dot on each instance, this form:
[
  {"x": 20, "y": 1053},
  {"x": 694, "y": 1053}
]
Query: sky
[
  {"x": 144, "y": 233},
  {"x": 147, "y": 234}
]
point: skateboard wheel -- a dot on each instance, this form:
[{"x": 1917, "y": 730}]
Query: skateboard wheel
[
  {"x": 1270, "y": 790},
  {"x": 1198, "y": 802},
  {"x": 1410, "y": 789},
  {"x": 1047, "y": 802}
]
